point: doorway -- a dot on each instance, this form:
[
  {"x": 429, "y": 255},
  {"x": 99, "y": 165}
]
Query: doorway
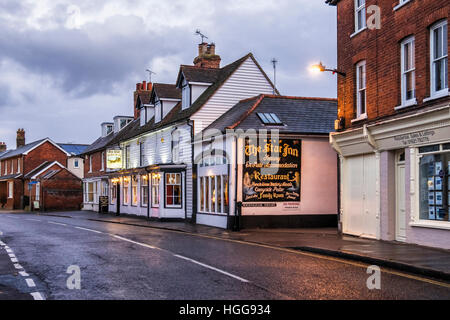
[{"x": 400, "y": 214}]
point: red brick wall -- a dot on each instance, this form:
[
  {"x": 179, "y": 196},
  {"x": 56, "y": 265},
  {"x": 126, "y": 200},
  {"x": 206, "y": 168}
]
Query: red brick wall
[
  {"x": 14, "y": 161},
  {"x": 62, "y": 192},
  {"x": 15, "y": 202},
  {"x": 96, "y": 165},
  {"x": 381, "y": 50},
  {"x": 45, "y": 152}
]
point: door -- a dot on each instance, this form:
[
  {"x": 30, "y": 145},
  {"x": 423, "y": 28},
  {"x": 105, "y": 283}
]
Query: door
[
  {"x": 359, "y": 196},
  {"x": 400, "y": 212}
]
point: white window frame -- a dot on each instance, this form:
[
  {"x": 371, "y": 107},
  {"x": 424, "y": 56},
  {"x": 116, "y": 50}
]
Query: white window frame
[
  {"x": 12, "y": 166},
  {"x": 103, "y": 161},
  {"x": 126, "y": 191},
  {"x": 359, "y": 113},
  {"x": 144, "y": 185},
  {"x": 408, "y": 41},
  {"x": 10, "y": 189},
  {"x": 166, "y": 184},
  {"x": 186, "y": 95},
  {"x": 155, "y": 191},
  {"x": 444, "y": 91},
  {"x": 134, "y": 191},
  {"x": 18, "y": 165},
  {"x": 90, "y": 163},
  {"x": 362, "y": 7},
  {"x": 76, "y": 163}
]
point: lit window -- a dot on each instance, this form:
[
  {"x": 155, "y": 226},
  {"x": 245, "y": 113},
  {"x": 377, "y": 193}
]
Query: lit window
[
  {"x": 134, "y": 190},
  {"x": 361, "y": 89},
  {"x": 434, "y": 184},
  {"x": 439, "y": 59},
  {"x": 90, "y": 192},
  {"x": 126, "y": 196},
  {"x": 144, "y": 191},
  {"x": 173, "y": 190},
  {"x": 360, "y": 14},
  {"x": 408, "y": 68},
  {"x": 214, "y": 196},
  {"x": 156, "y": 179},
  {"x": 113, "y": 193}
]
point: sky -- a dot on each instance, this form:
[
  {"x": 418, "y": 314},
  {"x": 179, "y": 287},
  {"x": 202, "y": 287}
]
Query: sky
[{"x": 67, "y": 66}]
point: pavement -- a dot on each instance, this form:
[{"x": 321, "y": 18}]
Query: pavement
[{"x": 430, "y": 262}]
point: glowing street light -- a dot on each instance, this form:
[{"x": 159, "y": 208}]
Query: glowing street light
[{"x": 316, "y": 68}]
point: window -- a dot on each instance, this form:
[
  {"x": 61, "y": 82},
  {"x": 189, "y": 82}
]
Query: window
[
  {"x": 408, "y": 82},
  {"x": 144, "y": 191},
  {"x": 12, "y": 167},
  {"x": 105, "y": 188},
  {"x": 186, "y": 96},
  {"x": 10, "y": 189},
  {"x": 434, "y": 186},
  {"x": 38, "y": 191},
  {"x": 90, "y": 192},
  {"x": 361, "y": 89},
  {"x": 126, "y": 197},
  {"x": 18, "y": 165},
  {"x": 127, "y": 157},
  {"x": 103, "y": 161},
  {"x": 76, "y": 163},
  {"x": 214, "y": 196},
  {"x": 141, "y": 153},
  {"x": 439, "y": 59},
  {"x": 6, "y": 167},
  {"x": 113, "y": 193},
  {"x": 173, "y": 190},
  {"x": 109, "y": 129},
  {"x": 134, "y": 190},
  {"x": 269, "y": 119},
  {"x": 360, "y": 15},
  {"x": 156, "y": 180},
  {"x": 90, "y": 163}
]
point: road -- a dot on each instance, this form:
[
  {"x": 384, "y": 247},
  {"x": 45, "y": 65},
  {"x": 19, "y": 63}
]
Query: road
[{"x": 128, "y": 262}]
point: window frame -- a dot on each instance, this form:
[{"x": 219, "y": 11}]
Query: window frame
[
  {"x": 125, "y": 191},
  {"x": 134, "y": 191},
  {"x": 10, "y": 189},
  {"x": 166, "y": 196},
  {"x": 156, "y": 177},
  {"x": 403, "y": 73},
  {"x": 359, "y": 113},
  {"x": 444, "y": 91},
  {"x": 362, "y": 7},
  {"x": 144, "y": 194}
]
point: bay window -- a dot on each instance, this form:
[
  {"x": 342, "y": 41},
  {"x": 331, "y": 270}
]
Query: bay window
[
  {"x": 173, "y": 190},
  {"x": 439, "y": 59}
]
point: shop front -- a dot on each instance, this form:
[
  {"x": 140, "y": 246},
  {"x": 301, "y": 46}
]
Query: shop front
[
  {"x": 395, "y": 179},
  {"x": 156, "y": 192}
]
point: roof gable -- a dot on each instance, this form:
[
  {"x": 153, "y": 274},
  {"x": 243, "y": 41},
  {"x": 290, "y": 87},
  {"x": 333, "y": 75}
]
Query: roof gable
[{"x": 24, "y": 150}]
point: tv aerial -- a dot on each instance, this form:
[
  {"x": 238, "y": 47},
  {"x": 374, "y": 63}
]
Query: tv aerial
[
  {"x": 199, "y": 33},
  {"x": 150, "y": 72}
]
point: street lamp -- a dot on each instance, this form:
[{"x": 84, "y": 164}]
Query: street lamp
[{"x": 321, "y": 68}]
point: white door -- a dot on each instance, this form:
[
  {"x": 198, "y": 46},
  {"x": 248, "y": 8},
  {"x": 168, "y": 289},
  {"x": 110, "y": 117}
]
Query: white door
[
  {"x": 359, "y": 196},
  {"x": 400, "y": 215}
]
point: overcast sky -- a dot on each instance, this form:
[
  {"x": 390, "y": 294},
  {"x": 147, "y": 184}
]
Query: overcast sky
[{"x": 66, "y": 66}]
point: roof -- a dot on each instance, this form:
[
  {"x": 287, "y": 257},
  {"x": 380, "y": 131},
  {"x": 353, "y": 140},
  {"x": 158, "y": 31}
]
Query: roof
[
  {"x": 143, "y": 97},
  {"x": 298, "y": 114},
  {"x": 21, "y": 150},
  {"x": 196, "y": 74},
  {"x": 73, "y": 149},
  {"x": 168, "y": 91},
  {"x": 40, "y": 167},
  {"x": 11, "y": 176}
]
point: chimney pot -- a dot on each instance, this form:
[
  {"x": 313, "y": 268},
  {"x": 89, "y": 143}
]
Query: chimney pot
[
  {"x": 2, "y": 146},
  {"x": 149, "y": 86},
  {"x": 144, "y": 85},
  {"x": 20, "y": 140}
]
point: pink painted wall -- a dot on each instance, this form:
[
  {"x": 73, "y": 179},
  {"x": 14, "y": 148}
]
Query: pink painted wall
[{"x": 318, "y": 192}]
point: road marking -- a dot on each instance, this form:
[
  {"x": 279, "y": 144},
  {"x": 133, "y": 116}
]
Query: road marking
[
  {"x": 30, "y": 282},
  {"x": 14, "y": 260},
  {"x": 18, "y": 266},
  {"x": 59, "y": 224},
  {"x": 24, "y": 274},
  {"x": 33, "y": 220},
  {"x": 9, "y": 250},
  {"x": 2, "y": 244},
  {"x": 85, "y": 229},
  {"x": 37, "y": 296},
  {"x": 138, "y": 243},
  {"x": 212, "y": 268}
]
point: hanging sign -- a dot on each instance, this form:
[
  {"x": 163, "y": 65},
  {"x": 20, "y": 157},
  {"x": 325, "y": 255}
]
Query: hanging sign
[
  {"x": 271, "y": 171},
  {"x": 114, "y": 159}
]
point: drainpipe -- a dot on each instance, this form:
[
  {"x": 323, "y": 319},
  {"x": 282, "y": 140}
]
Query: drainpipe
[
  {"x": 238, "y": 205},
  {"x": 194, "y": 175}
]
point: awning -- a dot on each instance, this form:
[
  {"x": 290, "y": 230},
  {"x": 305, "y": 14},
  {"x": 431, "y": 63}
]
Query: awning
[{"x": 148, "y": 169}]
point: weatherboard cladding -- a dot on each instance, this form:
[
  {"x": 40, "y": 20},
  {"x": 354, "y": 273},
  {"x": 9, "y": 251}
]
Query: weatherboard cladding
[{"x": 299, "y": 115}]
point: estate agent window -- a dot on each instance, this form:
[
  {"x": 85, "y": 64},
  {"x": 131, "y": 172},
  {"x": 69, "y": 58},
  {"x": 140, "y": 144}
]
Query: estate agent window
[
  {"x": 156, "y": 180},
  {"x": 361, "y": 89},
  {"x": 439, "y": 59},
  {"x": 126, "y": 196},
  {"x": 173, "y": 190},
  {"x": 408, "y": 72},
  {"x": 434, "y": 182}
]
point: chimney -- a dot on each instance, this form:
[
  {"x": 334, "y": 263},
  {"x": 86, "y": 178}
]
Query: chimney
[
  {"x": 2, "y": 147},
  {"x": 20, "y": 140},
  {"x": 207, "y": 57},
  {"x": 140, "y": 87}
]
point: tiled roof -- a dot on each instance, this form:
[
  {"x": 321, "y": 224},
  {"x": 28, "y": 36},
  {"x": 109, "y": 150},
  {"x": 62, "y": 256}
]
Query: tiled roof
[
  {"x": 164, "y": 90},
  {"x": 144, "y": 97},
  {"x": 73, "y": 149},
  {"x": 37, "y": 169},
  {"x": 21, "y": 150},
  {"x": 196, "y": 74},
  {"x": 11, "y": 176},
  {"x": 298, "y": 114}
]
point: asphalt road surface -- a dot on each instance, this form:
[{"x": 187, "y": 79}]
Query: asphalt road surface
[{"x": 127, "y": 262}]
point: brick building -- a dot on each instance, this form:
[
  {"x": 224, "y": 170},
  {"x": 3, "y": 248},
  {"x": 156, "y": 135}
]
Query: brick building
[
  {"x": 394, "y": 119},
  {"x": 25, "y": 179}
]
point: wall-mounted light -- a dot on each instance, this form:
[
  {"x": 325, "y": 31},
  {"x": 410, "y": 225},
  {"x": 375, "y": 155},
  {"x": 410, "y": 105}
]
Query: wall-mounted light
[{"x": 316, "y": 68}]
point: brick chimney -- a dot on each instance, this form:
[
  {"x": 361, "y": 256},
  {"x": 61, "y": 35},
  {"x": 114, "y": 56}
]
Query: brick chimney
[
  {"x": 20, "y": 140},
  {"x": 2, "y": 147},
  {"x": 207, "y": 57},
  {"x": 140, "y": 87}
]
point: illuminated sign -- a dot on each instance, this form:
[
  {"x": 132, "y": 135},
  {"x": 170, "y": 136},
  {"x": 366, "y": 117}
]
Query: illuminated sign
[
  {"x": 114, "y": 159},
  {"x": 271, "y": 171}
]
